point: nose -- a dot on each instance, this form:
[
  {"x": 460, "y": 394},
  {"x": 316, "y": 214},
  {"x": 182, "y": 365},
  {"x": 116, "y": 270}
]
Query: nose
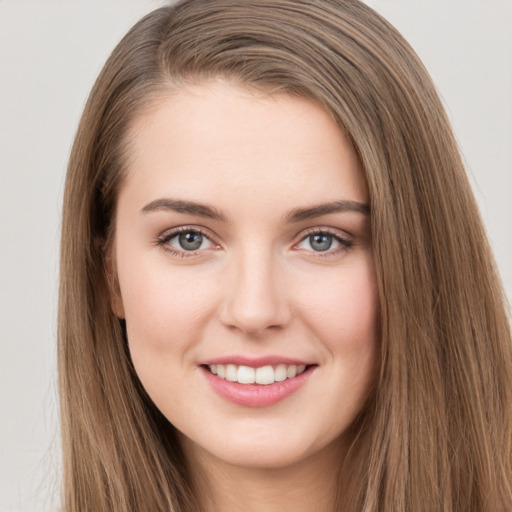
[{"x": 255, "y": 298}]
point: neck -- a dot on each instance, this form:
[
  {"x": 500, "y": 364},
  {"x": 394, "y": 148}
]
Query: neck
[{"x": 310, "y": 484}]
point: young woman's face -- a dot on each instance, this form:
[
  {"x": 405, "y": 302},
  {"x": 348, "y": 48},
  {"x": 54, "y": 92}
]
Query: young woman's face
[{"x": 244, "y": 260}]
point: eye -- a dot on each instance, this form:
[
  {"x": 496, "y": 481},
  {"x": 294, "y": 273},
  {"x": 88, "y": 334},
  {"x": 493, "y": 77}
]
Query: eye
[
  {"x": 189, "y": 241},
  {"x": 183, "y": 240},
  {"x": 321, "y": 241}
]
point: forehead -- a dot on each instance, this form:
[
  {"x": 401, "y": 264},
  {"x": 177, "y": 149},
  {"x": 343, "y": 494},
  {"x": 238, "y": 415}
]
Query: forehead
[{"x": 221, "y": 141}]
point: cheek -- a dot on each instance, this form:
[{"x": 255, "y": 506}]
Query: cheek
[
  {"x": 162, "y": 308},
  {"x": 166, "y": 314},
  {"x": 344, "y": 317},
  {"x": 344, "y": 311},
  {"x": 165, "y": 308}
]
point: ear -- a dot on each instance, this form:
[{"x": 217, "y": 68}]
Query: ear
[{"x": 116, "y": 301}]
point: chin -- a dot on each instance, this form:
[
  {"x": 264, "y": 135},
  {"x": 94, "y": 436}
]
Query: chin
[
  {"x": 259, "y": 449},
  {"x": 268, "y": 456}
]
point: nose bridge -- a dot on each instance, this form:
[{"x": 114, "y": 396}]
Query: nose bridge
[{"x": 255, "y": 298}]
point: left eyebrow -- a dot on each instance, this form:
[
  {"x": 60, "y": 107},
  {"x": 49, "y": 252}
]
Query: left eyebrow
[{"x": 299, "y": 214}]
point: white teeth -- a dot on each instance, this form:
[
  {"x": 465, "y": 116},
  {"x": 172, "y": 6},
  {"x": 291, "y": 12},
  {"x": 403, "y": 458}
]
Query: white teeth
[
  {"x": 221, "y": 371},
  {"x": 280, "y": 373},
  {"x": 264, "y": 375},
  {"x": 231, "y": 372},
  {"x": 292, "y": 371},
  {"x": 246, "y": 375}
]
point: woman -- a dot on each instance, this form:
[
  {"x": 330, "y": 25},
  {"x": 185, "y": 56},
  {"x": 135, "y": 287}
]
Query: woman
[{"x": 276, "y": 289}]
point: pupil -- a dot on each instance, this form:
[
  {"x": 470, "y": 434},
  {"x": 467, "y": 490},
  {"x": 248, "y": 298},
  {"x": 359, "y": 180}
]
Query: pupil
[
  {"x": 190, "y": 241},
  {"x": 320, "y": 242}
]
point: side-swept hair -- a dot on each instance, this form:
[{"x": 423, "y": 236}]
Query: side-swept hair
[{"x": 436, "y": 434}]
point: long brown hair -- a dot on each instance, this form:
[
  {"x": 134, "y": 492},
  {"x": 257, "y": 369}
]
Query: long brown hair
[{"x": 436, "y": 434}]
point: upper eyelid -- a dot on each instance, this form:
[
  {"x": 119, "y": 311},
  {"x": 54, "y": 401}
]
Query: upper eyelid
[
  {"x": 170, "y": 232},
  {"x": 323, "y": 229}
]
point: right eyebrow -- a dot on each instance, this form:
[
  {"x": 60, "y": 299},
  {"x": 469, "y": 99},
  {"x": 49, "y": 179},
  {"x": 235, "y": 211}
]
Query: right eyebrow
[{"x": 188, "y": 207}]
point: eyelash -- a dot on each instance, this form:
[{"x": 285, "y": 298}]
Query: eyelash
[
  {"x": 163, "y": 241},
  {"x": 345, "y": 243}
]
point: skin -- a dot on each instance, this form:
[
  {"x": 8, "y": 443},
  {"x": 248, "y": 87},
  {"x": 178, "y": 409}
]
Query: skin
[{"x": 257, "y": 286}]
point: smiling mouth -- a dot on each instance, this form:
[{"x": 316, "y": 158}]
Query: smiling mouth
[{"x": 263, "y": 375}]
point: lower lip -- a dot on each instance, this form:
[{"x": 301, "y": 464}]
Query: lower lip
[{"x": 256, "y": 395}]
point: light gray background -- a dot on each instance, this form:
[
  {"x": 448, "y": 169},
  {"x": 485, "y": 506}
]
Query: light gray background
[{"x": 50, "y": 53}]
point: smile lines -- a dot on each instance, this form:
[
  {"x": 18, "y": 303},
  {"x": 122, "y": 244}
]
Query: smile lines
[{"x": 264, "y": 375}]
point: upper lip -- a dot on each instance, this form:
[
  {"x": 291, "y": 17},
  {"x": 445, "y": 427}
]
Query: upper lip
[{"x": 256, "y": 362}]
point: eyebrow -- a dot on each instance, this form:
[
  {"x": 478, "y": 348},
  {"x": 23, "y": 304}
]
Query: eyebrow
[
  {"x": 296, "y": 215},
  {"x": 189, "y": 207},
  {"x": 299, "y": 214}
]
